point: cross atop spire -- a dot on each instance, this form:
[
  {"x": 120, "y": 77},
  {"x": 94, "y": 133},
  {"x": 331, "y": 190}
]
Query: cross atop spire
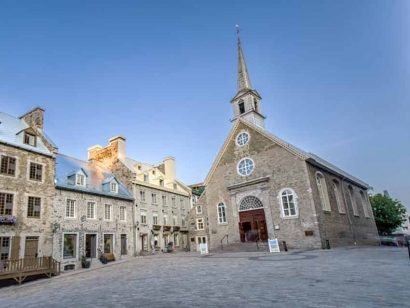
[{"x": 243, "y": 77}]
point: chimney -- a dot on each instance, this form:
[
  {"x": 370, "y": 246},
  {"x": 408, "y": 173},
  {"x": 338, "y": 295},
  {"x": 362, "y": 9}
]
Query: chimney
[
  {"x": 169, "y": 164},
  {"x": 120, "y": 148},
  {"x": 34, "y": 118},
  {"x": 93, "y": 151}
]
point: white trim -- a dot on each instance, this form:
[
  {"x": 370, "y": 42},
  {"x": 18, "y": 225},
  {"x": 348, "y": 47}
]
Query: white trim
[
  {"x": 111, "y": 212},
  {"x": 76, "y": 249},
  {"x": 243, "y": 159},
  {"x": 295, "y": 202},
  {"x": 197, "y": 223},
  {"x": 95, "y": 209},
  {"x": 237, "y": 137},
  {"x": 217, "y": 212},
  {"x": 116, "y": 186},
  {"x": 75, "y": 208},
  {"x": 84, "y": 179},
  {"x": 125, "y": 213}
]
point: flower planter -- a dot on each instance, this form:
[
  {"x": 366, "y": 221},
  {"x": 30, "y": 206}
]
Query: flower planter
[
  {"x": 8, "y": 220},
  {"x": 86, "y": 264},
  {"x": 176, "y": 228},
  {"x": 156, "y": 227},
  {"x": 166, "y": 228}
]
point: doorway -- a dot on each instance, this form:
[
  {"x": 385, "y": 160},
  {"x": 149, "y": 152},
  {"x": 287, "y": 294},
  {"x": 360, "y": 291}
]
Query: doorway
[
  {"x": 31, "y": 247},
  {"x": 144, "y": 242},
  {"x": 91, "y": 245},
  {"x": 252, "y": 226},
  {"x": 123, "y": 244}
]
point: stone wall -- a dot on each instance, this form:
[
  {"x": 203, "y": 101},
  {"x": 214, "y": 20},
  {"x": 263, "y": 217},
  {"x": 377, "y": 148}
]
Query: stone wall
[
  {"x": 342, "y": 229},
  {"x": 194, "y": 233},
  {"x": 80, "y": 225},
  {"x": 21, "y": 187},
  {"x": 279, "y": 169}
]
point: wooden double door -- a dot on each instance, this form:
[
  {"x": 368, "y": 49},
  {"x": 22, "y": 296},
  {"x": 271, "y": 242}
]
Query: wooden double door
[{"x": 252, "y": 226}]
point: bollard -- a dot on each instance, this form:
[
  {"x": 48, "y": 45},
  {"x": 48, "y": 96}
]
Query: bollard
[
  {"x": 285, "y": 247},
  {"x": 327, "y": 244}
]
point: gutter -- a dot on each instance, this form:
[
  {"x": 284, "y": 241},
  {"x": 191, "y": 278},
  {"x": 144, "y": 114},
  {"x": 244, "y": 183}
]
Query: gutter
[
  {"x": 25, "y": 149},
  {"x": 94, "y": 193}
]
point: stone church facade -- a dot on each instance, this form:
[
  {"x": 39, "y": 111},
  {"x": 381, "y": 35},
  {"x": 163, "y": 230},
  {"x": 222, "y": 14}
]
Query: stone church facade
[{"x": 262, "y": 187}]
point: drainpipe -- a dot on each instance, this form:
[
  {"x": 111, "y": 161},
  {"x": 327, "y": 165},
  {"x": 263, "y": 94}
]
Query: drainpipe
[{"x": 348, "y": 214}]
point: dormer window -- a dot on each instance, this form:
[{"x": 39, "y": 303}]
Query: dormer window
[
  {"x": 113, "y": 187},
  {"x": 30, "y": 139},
  {"x": 146, "y": 178},
  {"x": 175, "y": 186},
  {"x": 241, "y": 107},
  {"x": 139, "y": 167},
  {"x": 161, "y": 182},
  {"x": 80, "y": 180},
  {"x": 153, "y": 172}
]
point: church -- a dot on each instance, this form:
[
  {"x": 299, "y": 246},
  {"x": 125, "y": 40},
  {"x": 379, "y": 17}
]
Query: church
[{"x": 261, "y": 187}]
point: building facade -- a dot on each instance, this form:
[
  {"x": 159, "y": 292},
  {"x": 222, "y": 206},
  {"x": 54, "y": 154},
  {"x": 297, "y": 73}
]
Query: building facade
[
  {"x": 162, "y": 201},
  {"x": 26, "y": 186},
  {"x": 93, "y": 214},
  {"x": 262, "y": 187}
]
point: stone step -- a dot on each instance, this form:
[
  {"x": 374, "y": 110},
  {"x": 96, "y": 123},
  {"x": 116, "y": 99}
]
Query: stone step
[{"x": 243, "y": 247}]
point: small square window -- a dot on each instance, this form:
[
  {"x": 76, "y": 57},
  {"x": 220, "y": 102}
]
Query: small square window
[
  {"x": 8, "y": 165},
  {"x": 114, "y": 187},
  {"x": 30, "y": 139},
  {"x": 80, "y": 180}
]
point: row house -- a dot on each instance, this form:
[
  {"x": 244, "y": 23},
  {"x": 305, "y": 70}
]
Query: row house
[
  {"x": 27, "y": 171},
  {"x": 93, "y": 213},
  {"x": 162, "y": 201}
]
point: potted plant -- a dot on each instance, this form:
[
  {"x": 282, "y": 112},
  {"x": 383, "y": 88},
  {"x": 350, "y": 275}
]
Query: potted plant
[{"x": 84, "y": 262}]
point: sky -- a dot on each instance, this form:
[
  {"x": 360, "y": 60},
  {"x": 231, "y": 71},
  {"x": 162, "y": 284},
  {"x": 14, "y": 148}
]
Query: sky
[{"x": 334, "y": 77}]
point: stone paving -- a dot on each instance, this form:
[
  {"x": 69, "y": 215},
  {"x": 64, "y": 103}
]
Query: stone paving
[{"x": 343, "y": 277}]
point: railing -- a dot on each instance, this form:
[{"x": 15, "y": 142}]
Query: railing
[
  {"x": 21, "y": 268},
  {"x": 227, "y": 241}
]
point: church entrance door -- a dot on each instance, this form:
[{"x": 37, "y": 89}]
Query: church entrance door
[{"x": 252, "y": 226}]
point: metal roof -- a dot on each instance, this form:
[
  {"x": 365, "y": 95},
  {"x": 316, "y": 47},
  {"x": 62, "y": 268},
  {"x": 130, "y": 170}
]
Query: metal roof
[
  {"x": 96, "y": 177},
  {"x": 11, "y": 133}
]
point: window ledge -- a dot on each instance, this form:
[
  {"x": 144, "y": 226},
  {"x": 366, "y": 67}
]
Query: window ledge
[
  {"x": 290, "y": 217},
  {"x": 222, "y": 223},
  {"x": 341, "y": 213},
  {"x": 327, "y": 212},
  {"x": 358, "y": 216}
]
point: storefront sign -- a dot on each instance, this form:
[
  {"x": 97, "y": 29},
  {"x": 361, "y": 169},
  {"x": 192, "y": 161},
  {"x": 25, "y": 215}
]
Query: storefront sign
[
  {"x": 273, "y": 245},
  {"x": 203, "y": 248}
]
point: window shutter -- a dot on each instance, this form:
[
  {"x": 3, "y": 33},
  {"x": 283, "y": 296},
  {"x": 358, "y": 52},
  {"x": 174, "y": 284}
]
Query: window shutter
[{"x": 15, "y": 247}]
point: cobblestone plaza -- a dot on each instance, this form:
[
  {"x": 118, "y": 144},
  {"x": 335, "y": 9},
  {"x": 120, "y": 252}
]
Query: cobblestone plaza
[{"x": 342, "y": 277}]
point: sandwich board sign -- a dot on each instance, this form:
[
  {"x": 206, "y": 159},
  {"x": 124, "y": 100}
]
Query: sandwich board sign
[
  {"x": 273, "y": 245},
  {"x": 203, "y": 248}
]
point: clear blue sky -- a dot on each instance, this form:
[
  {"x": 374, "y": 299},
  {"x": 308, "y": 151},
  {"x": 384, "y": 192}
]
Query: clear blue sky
[{"x": 334, "y": 77}]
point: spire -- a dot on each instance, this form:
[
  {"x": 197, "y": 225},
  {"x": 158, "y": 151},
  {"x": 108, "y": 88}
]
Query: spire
[{"x": 243, "y": 77}]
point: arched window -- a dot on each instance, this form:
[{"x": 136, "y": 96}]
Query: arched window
[
  {"x": 221, "y": 213},
  {"x": 353, "y": 201},
  {"x": 250, "y": 203},
  {"x": 338, "y": 197},
  {"x": 288, "y": 203},
  {"x": 364, "y": 204},
  {"x": 321, "y": 186}
]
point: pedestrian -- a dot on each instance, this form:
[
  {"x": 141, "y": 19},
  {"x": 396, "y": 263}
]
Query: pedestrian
[{"x": 152, "y": 242}]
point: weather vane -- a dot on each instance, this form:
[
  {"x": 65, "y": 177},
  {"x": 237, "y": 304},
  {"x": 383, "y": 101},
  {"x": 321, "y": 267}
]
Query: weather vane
[{"x": 237, "y": 30}]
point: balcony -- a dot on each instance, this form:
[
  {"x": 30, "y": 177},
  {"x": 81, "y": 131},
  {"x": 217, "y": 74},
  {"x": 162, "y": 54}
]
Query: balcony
[
  {"x": 176, "y": 228},
  {"x": 166, "y": 228},
  {"x": 156, "y": 227}
]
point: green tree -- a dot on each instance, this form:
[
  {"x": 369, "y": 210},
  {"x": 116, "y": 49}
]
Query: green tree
[{"x": 389, "y": 214}]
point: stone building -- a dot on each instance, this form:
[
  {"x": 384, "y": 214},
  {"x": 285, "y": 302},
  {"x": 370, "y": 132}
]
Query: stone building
[
  {"x": 93, "y": 213},
  {"x": 26, "y": 186},
  {"x": 162, "y": 201},
  {"x": 262, "y": 187}
]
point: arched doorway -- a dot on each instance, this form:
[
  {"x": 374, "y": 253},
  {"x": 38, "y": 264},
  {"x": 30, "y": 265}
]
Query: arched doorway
[{"x": 252, "y": 222}]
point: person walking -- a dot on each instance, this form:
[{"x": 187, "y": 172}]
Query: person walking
[{"x": 152, "y": 242}]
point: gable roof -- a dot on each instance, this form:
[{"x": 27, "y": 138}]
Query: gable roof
[
  {"x": 10, "y": 129},
  {"x": 96, "y": 176},
  {"x": 306, "y": 156}
]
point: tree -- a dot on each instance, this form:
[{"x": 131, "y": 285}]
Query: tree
[{"x": 389, "y": 214}]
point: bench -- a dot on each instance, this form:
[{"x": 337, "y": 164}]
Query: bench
[{"x": 110, "y": 257}]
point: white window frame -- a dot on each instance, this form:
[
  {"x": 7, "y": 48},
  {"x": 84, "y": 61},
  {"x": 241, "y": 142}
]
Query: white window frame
[
  {"x": 74, "y": 210},
  {"x": 239, "y": 135},
  {"x": 175, "y": 220},
  {"x": 155, "y": 214},
  {"x": 143, "y": 213},
  {"x": 173, "y": 202},
  {"x": 182, "y": 203},
  {"x": 164, "y": 197},
  {"x": 242, "y": 160},
  {"x": 295, "y": 203},
  {"x": 116, "y": 187},
  {"x": 105, "y": 212},
  {"x": 165, "y": 219},
  {"x": 79, "y": 176},
  {"x": 142, "y": 196},
  {"x": 323, "y": 192},
  {"x": 124, "y": 209},
  {"x": 146, "y": 178},
  {"x": 220, "y": 218},
  {"x": 154, "y": 200},
  {"x": 338, "y": 196},
  {"x": 94, "y": 210},
  {"x": 197, "y": 224},
  {"x": 353, "y": 201}
]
